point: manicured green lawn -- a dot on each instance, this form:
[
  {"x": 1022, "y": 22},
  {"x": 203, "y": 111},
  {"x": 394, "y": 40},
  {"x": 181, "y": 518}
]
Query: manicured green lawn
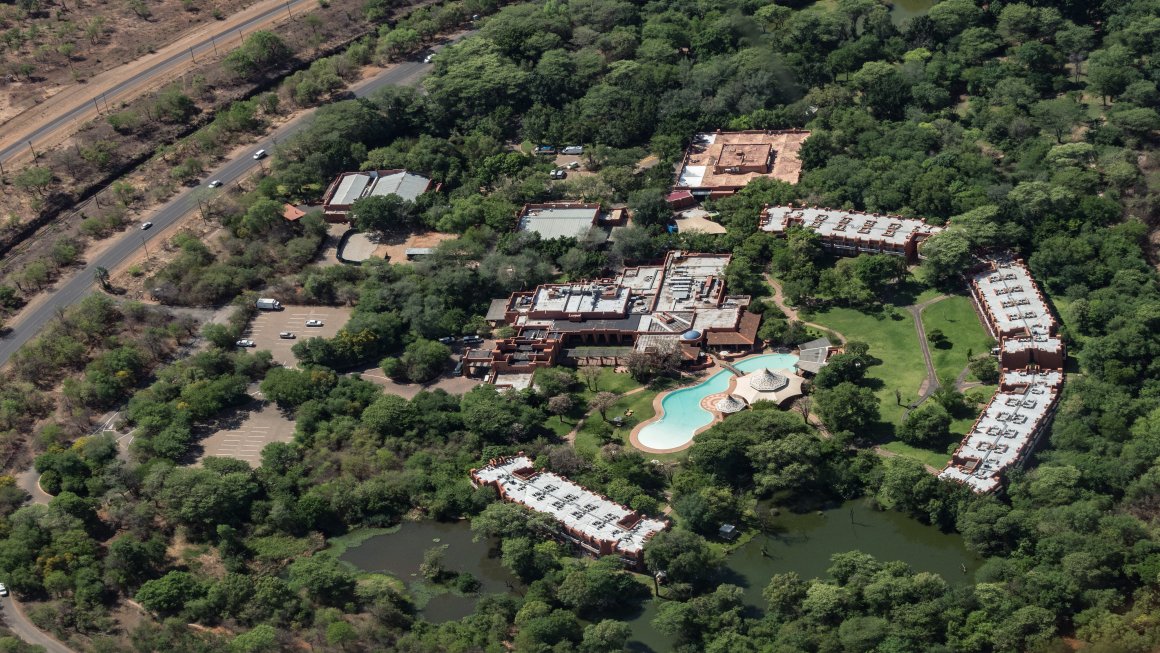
[
  {"x": 587, "y": 440},
  {"x": 609, "y": 381},
  {"x": 893, "y": 341},
  {"x": 925, "y": 456},
  {"x": 956, "y": 318}
]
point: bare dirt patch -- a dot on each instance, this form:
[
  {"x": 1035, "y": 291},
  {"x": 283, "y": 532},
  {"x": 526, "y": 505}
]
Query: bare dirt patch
[{"x": 394, "y": 247}]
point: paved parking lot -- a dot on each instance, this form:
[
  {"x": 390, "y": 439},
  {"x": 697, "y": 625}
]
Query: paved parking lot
[
  {"x": 262, "y": 424},
  {"x": 267, "y": 325}
]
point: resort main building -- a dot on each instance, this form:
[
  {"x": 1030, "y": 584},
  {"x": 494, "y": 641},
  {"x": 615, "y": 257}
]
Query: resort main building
[{"x": 681, "y": 303}]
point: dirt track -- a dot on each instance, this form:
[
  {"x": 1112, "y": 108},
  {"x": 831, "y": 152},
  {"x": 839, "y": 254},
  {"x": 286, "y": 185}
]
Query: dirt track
[{"x": 52, "y": 122}]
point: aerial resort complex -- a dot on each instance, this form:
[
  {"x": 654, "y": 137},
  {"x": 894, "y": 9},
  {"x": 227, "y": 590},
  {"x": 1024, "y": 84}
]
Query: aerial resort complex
[{"x": 582, "y": 326}]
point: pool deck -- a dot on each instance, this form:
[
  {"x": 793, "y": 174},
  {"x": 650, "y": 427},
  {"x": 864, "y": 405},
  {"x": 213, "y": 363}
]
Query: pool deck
[{"x": 707, "y": 403}]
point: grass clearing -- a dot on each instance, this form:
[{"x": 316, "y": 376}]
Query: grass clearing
[
  {"x": 955, "y": 317},
  {"x": 924, "y": 456},
  {"x": 608, "y": 381},
  {"x": 588, "y": 438},
  {"x": 893, "y": 341}
]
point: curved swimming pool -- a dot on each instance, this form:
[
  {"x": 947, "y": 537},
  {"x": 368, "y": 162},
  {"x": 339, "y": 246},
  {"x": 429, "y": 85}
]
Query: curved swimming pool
[{"x": 682, "y": 412}]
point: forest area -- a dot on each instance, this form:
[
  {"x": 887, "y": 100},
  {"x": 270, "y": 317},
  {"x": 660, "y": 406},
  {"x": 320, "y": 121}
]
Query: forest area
[{"x": 1028, "y": 126}]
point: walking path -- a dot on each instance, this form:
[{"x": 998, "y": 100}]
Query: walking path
[
  {"x": 931, "y": 383},
  {"x": 792, "y": 314},
  {"x": 570, "y": 438},
  {"x": 886, "y": 453}
]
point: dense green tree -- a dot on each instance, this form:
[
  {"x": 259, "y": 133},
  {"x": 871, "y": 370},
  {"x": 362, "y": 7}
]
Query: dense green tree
[{"x": 846, "y": 407}]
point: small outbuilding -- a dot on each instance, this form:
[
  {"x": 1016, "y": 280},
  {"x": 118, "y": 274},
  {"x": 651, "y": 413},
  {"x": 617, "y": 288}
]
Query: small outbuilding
[{"x": 728, "y": 532}]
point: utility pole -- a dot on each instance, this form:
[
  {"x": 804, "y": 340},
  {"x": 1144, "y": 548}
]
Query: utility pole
[
  {"x": 34, "y": 154},
  {"x": 288, "y": 10},
  {"x": 144, "y": 245},
  {"x": 191, "y": 57},
  {"x": 213, "y": 42}
]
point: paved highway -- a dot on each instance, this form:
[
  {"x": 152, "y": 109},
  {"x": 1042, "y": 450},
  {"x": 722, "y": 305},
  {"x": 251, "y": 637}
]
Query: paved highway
[
  {"x": 81, "y": 283},
  {"x": 83, "y": 103}
]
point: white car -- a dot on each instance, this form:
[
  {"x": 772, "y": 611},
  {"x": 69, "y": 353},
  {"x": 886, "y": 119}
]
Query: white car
[
  {"x": 313, "y": 323},
  {"x": 573, "y": 149},
  {"x": 287, "y": 335},
  {"x": 245, "y": 343},
  {"x": 260, "y": 154},
  {"x": 215, "y": 183},
  {"x": 3, "y": 590},
  {"x": 146, "y": 225},
  {"x": 429, "y": 58}
]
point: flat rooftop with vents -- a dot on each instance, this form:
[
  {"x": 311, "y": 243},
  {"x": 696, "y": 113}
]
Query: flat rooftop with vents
[
  {"x": 852, "y": 232},
  {"x": 1007, "y": 430},
  {"x": 1010, "y": 300},
  {"x": 721, "y": 163},
  {"x": 595, "y": 522}
]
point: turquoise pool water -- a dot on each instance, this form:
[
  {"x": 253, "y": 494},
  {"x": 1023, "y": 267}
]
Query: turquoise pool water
[{"x": 683, "y": 414}]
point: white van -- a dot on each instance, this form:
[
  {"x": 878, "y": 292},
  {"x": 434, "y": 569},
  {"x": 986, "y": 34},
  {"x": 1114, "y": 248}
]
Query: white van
[{"x": 260, "y": 154}]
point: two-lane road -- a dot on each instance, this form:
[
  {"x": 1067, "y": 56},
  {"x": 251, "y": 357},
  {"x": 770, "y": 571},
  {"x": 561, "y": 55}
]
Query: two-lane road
[
  {"x": 80, "y": 102},
  {"x": 81, "y": 283}
]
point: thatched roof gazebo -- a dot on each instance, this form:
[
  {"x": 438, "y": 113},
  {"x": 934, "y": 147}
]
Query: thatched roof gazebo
[
  {"x": 730, "y": 404},
  {"x": 778, "y": 386}
]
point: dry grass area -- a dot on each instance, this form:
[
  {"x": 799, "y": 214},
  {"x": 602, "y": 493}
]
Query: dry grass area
[
  {"x": 61, "y": 42},
  {"x": 394, "y": 247}
]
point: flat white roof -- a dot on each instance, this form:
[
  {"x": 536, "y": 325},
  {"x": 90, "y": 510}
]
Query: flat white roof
[
  {"x": 853, "y": 225},
  {"x": 581, "y": 298},
  {"x": 558, "y": 222},
  {"x": 1013, "y": 298},
  {"x": 1003, "y": 433},
  {"x": 1039, "y": 342},
  {"x": 573, "y": 505}
]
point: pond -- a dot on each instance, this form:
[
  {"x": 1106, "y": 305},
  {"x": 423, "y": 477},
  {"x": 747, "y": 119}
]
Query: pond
[
  {"x": 903, "y": 10},
  {"x": 805, "y": 542},
  {"x": 683, "y": 414},
  {"x": 401, "y": 552}
]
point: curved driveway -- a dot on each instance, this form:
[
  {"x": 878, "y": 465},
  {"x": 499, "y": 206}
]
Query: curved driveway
[
  {"x": 81, "y": 103},
  {"x": 81, "y": 283}
]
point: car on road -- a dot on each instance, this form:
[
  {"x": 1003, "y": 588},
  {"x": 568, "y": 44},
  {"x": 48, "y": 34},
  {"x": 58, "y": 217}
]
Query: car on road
[
  {"x": 447, "y": 340},
  {"x": 429, "y": 58},
  {"x": 260, "y": 154},
  {"x": 3, "y": 589},
  {"x": 472, "y": 340},
  {"x": 287, "y": 335},
  {"x": 573, "y": 149},
  {"x": 215, "y": 183},
  {"x": 245, "y": 343},
  {"x": 146, "y": 225},
  {"x": 558, "y": 173},
  {"x": 313, "y": 323}
]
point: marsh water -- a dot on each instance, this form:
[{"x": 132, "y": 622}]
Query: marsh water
[
  {"x": 802, "y": 543},
  {"x": 400, "y": 553},
  {"x": 904, "y": 10}
]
